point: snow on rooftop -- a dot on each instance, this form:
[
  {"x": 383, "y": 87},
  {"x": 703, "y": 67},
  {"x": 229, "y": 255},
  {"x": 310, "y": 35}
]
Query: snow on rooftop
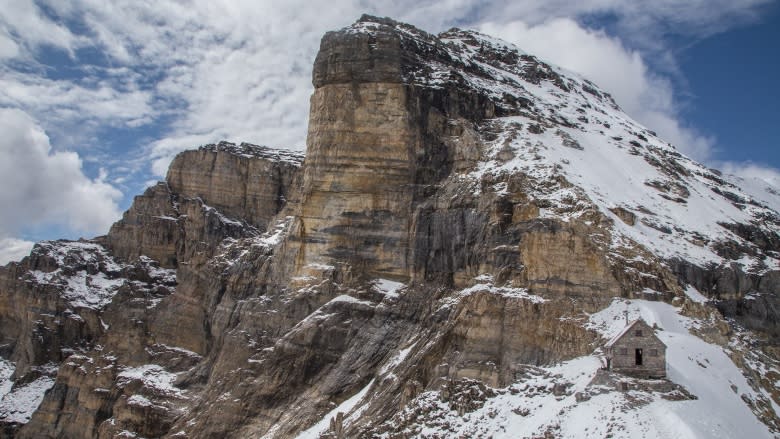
[{"x": 625, "y": 330}]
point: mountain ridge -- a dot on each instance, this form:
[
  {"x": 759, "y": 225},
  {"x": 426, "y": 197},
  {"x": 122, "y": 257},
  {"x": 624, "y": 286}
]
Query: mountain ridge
[{"x": 461, "y": 235}]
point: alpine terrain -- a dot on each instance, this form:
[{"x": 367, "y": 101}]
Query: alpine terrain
[{"x": 468, "y": 228}]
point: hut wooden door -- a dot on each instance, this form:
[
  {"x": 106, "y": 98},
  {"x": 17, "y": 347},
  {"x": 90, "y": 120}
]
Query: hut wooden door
[{"x": 638, "y": 357}]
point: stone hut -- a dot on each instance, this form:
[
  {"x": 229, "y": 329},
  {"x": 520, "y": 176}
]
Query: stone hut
[{"x": 637, "y": 351}]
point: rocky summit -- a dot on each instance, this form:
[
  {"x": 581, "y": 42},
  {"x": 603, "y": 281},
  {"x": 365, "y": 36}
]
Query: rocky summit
[{"x": 467, "y": 229}]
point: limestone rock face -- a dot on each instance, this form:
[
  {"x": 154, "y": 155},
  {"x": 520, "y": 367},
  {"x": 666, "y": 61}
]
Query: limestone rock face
[
  {"x": 357, "y": 182},
  {"x": 243, "y": 181},
  {"x": 56, "y": 297},
  {"x": 82, "y": 304},
  {"x": 150, "y": 227},
  {"x": 445, "y": 236}
]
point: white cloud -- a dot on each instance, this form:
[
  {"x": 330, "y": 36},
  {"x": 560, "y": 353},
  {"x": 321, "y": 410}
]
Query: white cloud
[
  {"x": 41, "y": 187},
  {"x": 24, "y": 19},
  {"x": 769, "y": 176},
  {"x": 647, "y": 23},
  {"x": 12, "y": 249},
  {"x": 8, "y": 48},
  {"x": 68, "y": 103}
]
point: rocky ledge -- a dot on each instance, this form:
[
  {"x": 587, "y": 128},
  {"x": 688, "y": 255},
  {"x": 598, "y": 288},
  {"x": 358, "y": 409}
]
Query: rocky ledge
[{"x": 452, "y": 236}]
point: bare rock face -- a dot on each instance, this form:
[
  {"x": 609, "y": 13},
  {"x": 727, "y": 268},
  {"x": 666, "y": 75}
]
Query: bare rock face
[
  {"x": 60, "y": 303},
  {"x": 238, "y": 186},
  {"x": 243, "y": 181},
  {"x": 100, "y": 308},
  {"x": 424, "y": 247},
  {"x": 150, "y": 227}
]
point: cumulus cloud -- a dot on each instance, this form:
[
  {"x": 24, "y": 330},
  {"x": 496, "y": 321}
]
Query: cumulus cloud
[
  {"x": 24, "y": 19},
  {"x": 8, "y": 48},
  {"x": 41, "y": 187},
  {"x": 13, "y": 249},
  {"x": 238, "y": 70},
  {"x": 65, "y": 102},
  {"x": 648, "y": 24}
]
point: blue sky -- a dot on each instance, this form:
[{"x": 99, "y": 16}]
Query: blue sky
[
  {"x": 732, "y": 83},
  {"x": 96, "y": 97}
]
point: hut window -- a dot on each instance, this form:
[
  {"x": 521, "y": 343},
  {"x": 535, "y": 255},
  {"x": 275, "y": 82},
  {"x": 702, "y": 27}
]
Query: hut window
[
  {"x": 653, "y": 352},
  {"x": 638, "y": 333},
  {"x": 623, "y": 351}
]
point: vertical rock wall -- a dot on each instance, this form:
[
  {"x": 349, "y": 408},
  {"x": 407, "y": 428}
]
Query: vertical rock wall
[
  {"x": 357, "y": 194},
  {"x": 277, "y": 315}
]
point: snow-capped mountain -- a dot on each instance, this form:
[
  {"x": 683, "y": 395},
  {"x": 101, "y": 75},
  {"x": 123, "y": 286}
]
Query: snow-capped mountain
[{"x": 467, "y": 229}]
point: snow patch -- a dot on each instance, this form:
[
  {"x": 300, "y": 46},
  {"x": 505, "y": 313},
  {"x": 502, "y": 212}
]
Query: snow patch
[
  {"x": 397, "y": 359},
  {"x": 80, "y": 288},
  {"x": 345, "y": 407},
  {"x": 6, "y": 370},
  {"x": 19, "y": 404},
  {"x": 388, "y": 287},
  {"x": 349, "y": 299},
  {"x": 222, "y": 217},
  {"x": 695, "y": 295},
  {"x": 154, "y": 378},
  {"x": 703, "y": 368},
  {"x": 515, "y": 293},
  {"x": 139, "y": 401},
  {"x": 274, "y": 236}
]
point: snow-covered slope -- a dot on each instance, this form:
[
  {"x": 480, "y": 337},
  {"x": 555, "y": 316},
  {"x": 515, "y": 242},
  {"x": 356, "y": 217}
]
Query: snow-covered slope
[
  {"x": 570, "y": 129},
  {"x": 707, "y": 395},
  {"x": 580, "y": 153},
  {"x": 553, "y": 124},
  {"x": 466, "y": 232},
  {"x": 58, "y": 308},
  {"x": 17, "y": 403}
]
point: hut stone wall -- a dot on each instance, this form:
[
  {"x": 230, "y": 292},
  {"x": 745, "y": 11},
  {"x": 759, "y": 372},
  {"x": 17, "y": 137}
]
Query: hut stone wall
[{"x": 638, "y": 352}]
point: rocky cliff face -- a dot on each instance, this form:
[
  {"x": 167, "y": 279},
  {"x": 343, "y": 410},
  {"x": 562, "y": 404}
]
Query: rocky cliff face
[{"x": 462, "y": 214}]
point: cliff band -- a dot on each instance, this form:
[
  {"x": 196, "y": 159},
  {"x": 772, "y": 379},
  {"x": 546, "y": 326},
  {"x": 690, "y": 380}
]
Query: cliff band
[{"x": 467, "y": 228}]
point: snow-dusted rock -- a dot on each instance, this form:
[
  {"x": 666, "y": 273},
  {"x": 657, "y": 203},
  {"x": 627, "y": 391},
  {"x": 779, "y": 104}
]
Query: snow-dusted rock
[{"x": 445, "y": 261}]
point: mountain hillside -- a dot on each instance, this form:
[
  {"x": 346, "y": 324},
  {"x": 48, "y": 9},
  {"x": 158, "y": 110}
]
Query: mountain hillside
[{"x": 467, "y": 229}]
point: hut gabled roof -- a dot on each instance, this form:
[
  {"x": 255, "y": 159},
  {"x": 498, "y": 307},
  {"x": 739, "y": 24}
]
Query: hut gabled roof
[{"x": 628, "y": 328}]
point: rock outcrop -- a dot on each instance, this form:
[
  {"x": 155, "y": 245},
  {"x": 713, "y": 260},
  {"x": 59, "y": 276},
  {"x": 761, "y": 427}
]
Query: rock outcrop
[{"x": 436, "y": 240}]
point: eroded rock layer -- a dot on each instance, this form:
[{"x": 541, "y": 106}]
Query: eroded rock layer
[{"x": 441, "y": 237}]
